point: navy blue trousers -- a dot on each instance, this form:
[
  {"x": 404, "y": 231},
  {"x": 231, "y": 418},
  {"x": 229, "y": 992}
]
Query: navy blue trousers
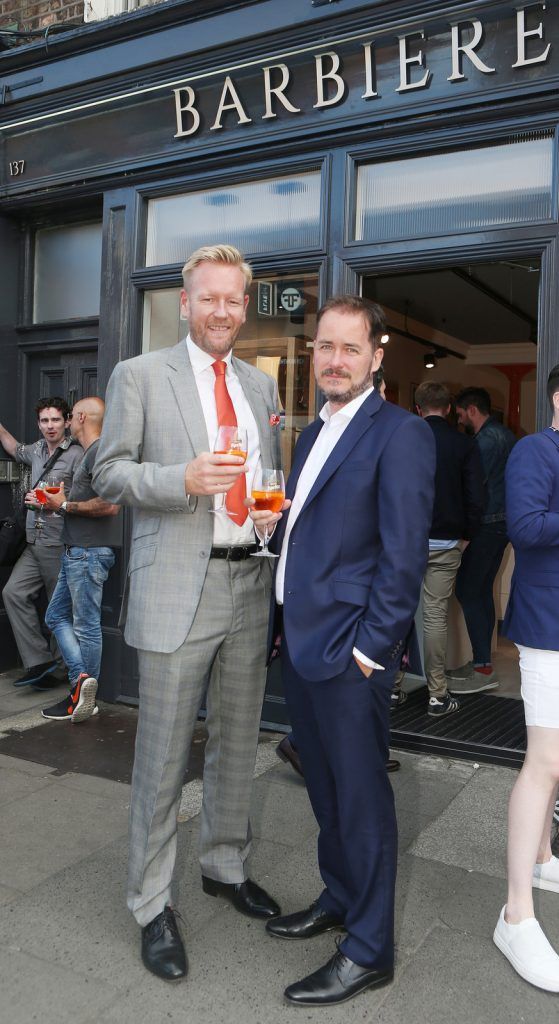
[{"x": 342, "y": 733}]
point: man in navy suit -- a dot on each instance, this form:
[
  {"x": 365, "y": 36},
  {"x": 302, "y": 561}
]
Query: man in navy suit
[
  {"x": 532, "y": 622},
  {"x": 352, "y": 553}
]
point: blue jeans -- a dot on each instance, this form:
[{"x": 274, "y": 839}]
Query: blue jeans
[
  {"x": 74, "y": 612},
  {"x": 474, "y": 587}
]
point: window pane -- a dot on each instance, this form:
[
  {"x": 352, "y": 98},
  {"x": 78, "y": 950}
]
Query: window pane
[
  {"x": 67, "y": 272},
  {"x": 261, "y": 216},
  {"x": 277, "y": 337},
  {"x": 458, "y": 191}
]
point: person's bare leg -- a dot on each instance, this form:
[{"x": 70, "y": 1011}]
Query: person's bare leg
[
  {"x": 544, "y": 851},
  {"x": 530, "y": 809}
]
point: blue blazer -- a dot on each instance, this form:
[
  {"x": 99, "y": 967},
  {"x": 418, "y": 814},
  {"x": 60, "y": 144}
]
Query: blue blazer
[
  {"x": 358, "y": 551},
  {"x": 532, "y": 501}
]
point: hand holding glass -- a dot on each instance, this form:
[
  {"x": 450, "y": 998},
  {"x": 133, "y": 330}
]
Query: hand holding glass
[
  {"x": 268, "y": 491},
  {"x": 229, "y": 441}
]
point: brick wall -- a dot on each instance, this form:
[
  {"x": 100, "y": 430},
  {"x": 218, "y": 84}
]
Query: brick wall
[{"x": 37, "y": 14}]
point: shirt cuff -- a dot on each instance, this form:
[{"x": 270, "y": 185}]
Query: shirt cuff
[{"x": 367, "y": 661}]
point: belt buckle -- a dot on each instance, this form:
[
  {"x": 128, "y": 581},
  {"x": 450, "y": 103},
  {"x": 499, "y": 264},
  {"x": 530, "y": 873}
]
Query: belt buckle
[{"x": 234, "y": 554}]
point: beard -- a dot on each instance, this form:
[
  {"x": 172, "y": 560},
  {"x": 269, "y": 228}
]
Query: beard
[{"x": 344, "y": 397}]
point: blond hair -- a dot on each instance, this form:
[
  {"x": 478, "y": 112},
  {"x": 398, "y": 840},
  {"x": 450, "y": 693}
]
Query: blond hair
[{"x": 217, "y": 254}]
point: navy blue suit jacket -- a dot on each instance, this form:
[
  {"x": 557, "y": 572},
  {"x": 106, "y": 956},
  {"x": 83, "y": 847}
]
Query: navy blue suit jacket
[
  {"x": 532, "y": 501},
  {"x": 358, "y": 551}
]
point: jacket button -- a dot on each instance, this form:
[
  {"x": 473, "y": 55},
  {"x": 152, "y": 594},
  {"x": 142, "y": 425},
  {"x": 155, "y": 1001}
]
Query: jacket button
[{"x": 202, "y": 554}]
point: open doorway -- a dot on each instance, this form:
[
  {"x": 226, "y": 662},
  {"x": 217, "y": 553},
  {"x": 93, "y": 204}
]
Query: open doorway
[{"x": 467, "y": 325}]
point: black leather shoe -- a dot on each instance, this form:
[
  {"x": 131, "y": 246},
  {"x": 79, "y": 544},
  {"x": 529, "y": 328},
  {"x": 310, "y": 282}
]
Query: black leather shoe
[
  {"x": 338, "y": 980},
  {"x": 392, "y": 765},
  {"x": 163, "y": 951},
  {"x": 304, "y": 924},
  {"x": 286, "y": 751},
  {"x": 247, "y": 897}
]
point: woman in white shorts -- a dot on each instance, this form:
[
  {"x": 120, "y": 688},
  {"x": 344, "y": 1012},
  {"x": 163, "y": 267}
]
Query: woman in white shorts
[{"x": 532, "y": 622}]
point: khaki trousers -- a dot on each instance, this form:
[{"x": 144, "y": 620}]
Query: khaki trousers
[{"x": 438, "y": 584}]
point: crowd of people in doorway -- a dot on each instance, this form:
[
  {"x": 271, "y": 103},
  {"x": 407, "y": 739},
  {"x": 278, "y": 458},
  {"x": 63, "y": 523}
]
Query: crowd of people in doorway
[{"x": 381, "y": 507}]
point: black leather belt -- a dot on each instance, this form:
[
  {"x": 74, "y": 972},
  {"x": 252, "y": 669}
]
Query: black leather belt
[{"x": 237, "y": 553}]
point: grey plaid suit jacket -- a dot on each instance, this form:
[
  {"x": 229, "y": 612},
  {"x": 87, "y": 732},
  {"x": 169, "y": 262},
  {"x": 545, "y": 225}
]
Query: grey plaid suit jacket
[{"x": 154, "y": 426}]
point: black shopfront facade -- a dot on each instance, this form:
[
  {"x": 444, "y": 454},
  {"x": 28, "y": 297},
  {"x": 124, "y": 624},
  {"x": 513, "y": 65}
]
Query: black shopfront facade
[{"x": 333, "y": 142}]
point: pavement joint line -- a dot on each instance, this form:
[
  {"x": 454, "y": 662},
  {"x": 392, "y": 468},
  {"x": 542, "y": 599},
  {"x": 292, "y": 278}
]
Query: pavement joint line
[{"x": 21, "y": 721}]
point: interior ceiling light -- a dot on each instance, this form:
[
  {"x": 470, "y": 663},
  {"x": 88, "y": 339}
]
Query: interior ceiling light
[
  {"x": 384, "y": 339},
  {"x": 430, "y": 361}
]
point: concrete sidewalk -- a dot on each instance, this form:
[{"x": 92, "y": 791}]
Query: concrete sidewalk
[{"x": 69, "y": 951}]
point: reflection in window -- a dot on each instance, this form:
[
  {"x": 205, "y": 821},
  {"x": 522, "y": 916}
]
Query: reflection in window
[
  {"x": 277, "y": 338},
  {"x": 259, "y": 216},
  {"x": 67, "y": 272},
  {"x": 463, "y": 190}
]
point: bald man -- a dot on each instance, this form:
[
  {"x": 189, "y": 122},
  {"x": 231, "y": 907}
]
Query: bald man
[{"x": 90, "y": 535}]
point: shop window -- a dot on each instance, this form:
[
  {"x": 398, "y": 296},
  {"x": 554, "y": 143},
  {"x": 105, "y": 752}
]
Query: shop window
[
  {"x": 67, "y": 276},
  {"x": 465, "y": 190},
  {"x": 256, "y": 217},
  {"x": 277, "y": 337}
]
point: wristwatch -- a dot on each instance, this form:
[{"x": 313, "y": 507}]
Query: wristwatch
[{"x": 64, "y": 506}]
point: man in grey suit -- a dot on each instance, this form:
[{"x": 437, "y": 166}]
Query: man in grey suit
[{"x": 197, "y": 602}]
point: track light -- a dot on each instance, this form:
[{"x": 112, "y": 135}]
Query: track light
[
  {"x": 385, "y": 338},
  {"x": 430, "y": 360}
]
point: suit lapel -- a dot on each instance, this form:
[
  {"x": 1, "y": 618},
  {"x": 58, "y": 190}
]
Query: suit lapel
[
  {"x": 183, "y": 384},
  {"x": 259, "y": 406},
  {"x": 362, "y": 421}
]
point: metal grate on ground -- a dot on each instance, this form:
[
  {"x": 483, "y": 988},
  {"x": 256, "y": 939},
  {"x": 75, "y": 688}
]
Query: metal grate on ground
[{"x": 486, "y": 729}]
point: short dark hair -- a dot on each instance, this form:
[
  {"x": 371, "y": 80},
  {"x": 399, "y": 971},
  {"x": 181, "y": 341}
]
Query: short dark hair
[
  {"x": 378, "y": 377},
  {"x": 475, "y": 396},
  {"x": 373, "y": 314},
  {"x": 431, "y": 395},
  {"x": 553, "y": 383},
  {"x": 53, "y": 403}
]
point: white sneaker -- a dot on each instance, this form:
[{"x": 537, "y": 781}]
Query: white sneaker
[
  {"x": 528, "y": 951},
  {"x": 546, "y": 876}
]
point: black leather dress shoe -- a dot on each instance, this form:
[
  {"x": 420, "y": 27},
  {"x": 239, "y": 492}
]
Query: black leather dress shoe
[
  {"x": 338, "y": 980},
  {"x": 286, "y": 751},
  {"x": 392, "y": 765},
  {"x": 247, "y": 897},
  {"x": 304, "y": 924},
  {"x": 163, "y": 951}
]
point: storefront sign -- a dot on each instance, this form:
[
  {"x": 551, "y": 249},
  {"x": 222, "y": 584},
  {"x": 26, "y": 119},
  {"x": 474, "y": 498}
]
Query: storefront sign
[
  {"x": 359, "y": 81},
  {"x": 460, "y": 52}
]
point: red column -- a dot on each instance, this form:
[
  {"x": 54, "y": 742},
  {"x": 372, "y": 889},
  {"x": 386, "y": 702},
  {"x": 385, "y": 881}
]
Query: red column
[{"x": 515, "y": 372}]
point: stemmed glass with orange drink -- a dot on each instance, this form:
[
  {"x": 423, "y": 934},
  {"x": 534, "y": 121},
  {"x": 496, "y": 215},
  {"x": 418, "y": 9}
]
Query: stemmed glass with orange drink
[
  {"x": 51, "y": 485},
  {"x": 268, "y": 491},
  {"x": 229, "y": 441}
]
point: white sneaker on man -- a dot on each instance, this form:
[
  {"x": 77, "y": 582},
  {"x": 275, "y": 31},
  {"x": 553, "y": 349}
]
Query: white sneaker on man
[
  {"x": 546, "y": 876},
  {"x": 528, "y": 951}
]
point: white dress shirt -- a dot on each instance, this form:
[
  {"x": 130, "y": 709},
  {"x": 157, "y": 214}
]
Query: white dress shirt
[
  {"x": 334, "y": 426},
  {"x": 226, "y": 532}
]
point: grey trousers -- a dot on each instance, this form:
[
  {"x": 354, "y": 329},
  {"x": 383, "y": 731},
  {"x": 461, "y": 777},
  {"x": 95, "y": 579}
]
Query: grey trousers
[
  {"x": 225, "y": 651},
  {"x": 37, "y": 567}
]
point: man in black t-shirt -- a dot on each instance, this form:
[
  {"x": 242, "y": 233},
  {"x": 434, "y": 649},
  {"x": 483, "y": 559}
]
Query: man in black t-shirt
[{"x": 90, "y": 535}]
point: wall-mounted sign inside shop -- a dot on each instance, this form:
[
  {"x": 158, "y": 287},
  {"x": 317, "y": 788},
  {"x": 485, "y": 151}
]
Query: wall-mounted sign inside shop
[
  {"x": 266, "y": 299},
  {"x": 364, "y": 70}
]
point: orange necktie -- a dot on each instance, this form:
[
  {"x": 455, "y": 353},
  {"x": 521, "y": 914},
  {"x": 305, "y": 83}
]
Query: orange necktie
[{"x": 234, "y": 500}]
